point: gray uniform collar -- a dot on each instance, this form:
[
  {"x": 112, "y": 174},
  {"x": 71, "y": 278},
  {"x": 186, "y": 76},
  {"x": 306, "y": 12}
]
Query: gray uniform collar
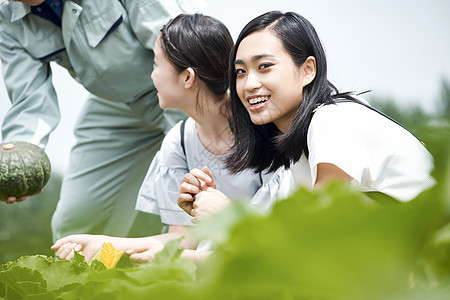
[{"x": 18, "y": 10}]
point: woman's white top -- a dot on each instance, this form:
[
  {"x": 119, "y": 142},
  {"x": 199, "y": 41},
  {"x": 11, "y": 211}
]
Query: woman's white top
[
  {"x": 375, "y": 152},
  {"x": 159, "y": 191}
]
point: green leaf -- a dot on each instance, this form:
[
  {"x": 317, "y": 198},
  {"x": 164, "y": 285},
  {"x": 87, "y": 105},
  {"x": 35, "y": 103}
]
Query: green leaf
[
  {"x": 39, "y": 274},
  {"x": 21, "y": 281},
  {"x": 77, "y": 257},
  {"x": 334, "y": 244},
  {"x": 169, "y": 253},
  {"x": 218, "y": 227}
]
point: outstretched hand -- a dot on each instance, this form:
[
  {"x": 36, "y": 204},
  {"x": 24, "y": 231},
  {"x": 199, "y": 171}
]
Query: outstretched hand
[
  {"x": 86, "y": 244},
  {"x": 144, "y": 252}
]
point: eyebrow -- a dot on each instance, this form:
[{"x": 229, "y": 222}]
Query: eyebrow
[{"x": 254, "y": 58}]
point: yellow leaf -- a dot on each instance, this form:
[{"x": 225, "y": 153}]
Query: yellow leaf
[{"x": 108, "y": 255}]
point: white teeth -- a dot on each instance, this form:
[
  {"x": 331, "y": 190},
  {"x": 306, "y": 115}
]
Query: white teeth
[{"x": 258, "y": 99}]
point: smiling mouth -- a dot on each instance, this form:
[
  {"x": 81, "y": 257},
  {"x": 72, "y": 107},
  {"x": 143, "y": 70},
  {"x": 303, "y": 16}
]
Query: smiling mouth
[{"x": 258, "y": 100}]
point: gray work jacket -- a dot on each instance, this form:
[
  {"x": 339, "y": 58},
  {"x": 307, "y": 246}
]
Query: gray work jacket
[{"x": 112, "y": 64}]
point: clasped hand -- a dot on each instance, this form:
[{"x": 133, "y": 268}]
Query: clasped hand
[{"x": 198, "y": 194}]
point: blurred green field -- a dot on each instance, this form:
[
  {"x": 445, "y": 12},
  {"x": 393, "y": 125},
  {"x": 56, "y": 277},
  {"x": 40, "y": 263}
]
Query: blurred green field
[{"x": 25, "y": 227}]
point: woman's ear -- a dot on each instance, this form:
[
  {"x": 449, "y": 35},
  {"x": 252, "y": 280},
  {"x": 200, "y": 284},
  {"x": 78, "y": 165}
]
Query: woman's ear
[
  {"x": 309, "y": 70},
  {"x": 189, "y": 77}
]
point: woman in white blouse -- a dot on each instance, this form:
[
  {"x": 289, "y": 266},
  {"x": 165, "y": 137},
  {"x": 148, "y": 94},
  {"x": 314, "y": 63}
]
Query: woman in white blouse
[{"x": 287, "y": 114}]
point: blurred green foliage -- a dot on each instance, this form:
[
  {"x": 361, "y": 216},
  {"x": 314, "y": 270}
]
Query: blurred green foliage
[
  {"x": 25, "y": 227},
  {"x": 412, "y": 116},
  {"x": 335, "y": 243}
]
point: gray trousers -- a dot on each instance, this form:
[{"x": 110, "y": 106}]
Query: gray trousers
[{"x": 115, "y": 144}]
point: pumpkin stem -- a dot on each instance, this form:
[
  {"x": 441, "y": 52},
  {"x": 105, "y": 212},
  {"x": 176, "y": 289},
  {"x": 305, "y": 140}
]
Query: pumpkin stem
[{"x": 8, "y": 146}]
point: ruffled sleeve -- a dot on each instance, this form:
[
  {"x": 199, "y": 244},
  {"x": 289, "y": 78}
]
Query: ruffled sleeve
[
  {"x": 275, "y": 186},
  {"x": 159, "y": 191}
]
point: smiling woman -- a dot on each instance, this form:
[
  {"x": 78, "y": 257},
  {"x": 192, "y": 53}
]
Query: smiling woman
[
  {"x": 268, "y": 84},
  {"x": 283, "y": 102},
  {"x": 398, "y": 36}
]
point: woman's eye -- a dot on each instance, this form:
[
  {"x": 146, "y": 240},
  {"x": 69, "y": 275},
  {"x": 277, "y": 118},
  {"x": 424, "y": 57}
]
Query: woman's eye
[
  {"x": 239, "y": 71},
  {"x": 264, "y": 66}
]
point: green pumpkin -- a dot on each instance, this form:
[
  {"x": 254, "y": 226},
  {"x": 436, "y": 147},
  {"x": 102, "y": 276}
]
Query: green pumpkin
[{"x": 24, "y": 169}]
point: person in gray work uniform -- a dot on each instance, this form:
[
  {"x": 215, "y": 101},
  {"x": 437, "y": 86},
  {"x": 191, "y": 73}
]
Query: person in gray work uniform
[{"x": 106, "y": 45}]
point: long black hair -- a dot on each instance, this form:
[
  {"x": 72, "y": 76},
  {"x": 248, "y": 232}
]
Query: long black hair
[
  {"x": 202, "y": 43},
  {"x": 264, "y": 147}
]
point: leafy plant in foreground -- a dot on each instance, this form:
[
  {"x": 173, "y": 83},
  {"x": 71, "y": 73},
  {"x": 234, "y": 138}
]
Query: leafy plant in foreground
[{"x": 335, "y": 243}]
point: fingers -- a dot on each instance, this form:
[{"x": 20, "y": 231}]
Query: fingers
[
  {"x": 208, "y": 172},
  {"x": 63, "y": 250},
  {"x": 208, "y": 202},
  {"x": 137, "y": 249},
  {"x": 66, "y": 251},
  {"x": 144, "y": 253},
  {"x": 189, "y": 188},
  {"x": 192, "y": 179},
  {"x": 141, "y": 258},
  {"x": 192, "y": 186},
  {"x": 21, "y": 199},
  {"x": 59, "y": 243},
  {"x": 64, "y": 240},
  {"x": 10, "y": 200},
  {"x": 194, "y": 214},
  {"x": 200, "y": 174},
  {"x": 196, "y": 211},
  {"x": 72, "y": 253},
  {"x": 185, "y": 202}
]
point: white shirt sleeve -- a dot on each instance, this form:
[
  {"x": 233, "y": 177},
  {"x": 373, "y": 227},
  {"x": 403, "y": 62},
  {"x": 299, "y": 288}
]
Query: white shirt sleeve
[{"x": 375, "y": 152}]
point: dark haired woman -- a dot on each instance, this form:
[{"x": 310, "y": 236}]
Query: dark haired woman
[
  {"x": 190, "y": 74},
  {"x": 287, "y": 113}
]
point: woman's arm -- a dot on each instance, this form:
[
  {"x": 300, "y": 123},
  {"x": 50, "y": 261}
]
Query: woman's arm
[
  {"x": 143, "y": 248},
  {"x": 195, "y": 255},
  {"x": 327, "y": 172}
]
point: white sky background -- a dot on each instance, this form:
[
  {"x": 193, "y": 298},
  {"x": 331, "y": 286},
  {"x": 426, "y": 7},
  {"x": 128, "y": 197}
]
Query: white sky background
[{"x": 397, "y": 48}]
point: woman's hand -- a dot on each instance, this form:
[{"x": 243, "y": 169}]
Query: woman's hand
[
  {"x": 85, "y": 244},
  {"x": 194, "y": 182},
  {"x": 208, "y": 202},
  {"x": 144, "y": 252}
]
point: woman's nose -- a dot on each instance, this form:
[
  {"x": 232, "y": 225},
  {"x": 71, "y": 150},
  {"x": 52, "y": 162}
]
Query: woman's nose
[{"x": 252, "y": 82}]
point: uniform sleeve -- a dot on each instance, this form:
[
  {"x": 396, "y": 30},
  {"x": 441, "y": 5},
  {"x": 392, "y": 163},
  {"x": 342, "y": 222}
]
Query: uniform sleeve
[
  {"x": 34, "y": 112},
  {"x": 159, "y": 191},
  {"x": 147, "y": 17}
]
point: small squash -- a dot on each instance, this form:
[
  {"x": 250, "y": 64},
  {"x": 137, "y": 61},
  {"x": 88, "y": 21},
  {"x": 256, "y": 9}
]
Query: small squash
[{"x": 24, "y": 169}]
